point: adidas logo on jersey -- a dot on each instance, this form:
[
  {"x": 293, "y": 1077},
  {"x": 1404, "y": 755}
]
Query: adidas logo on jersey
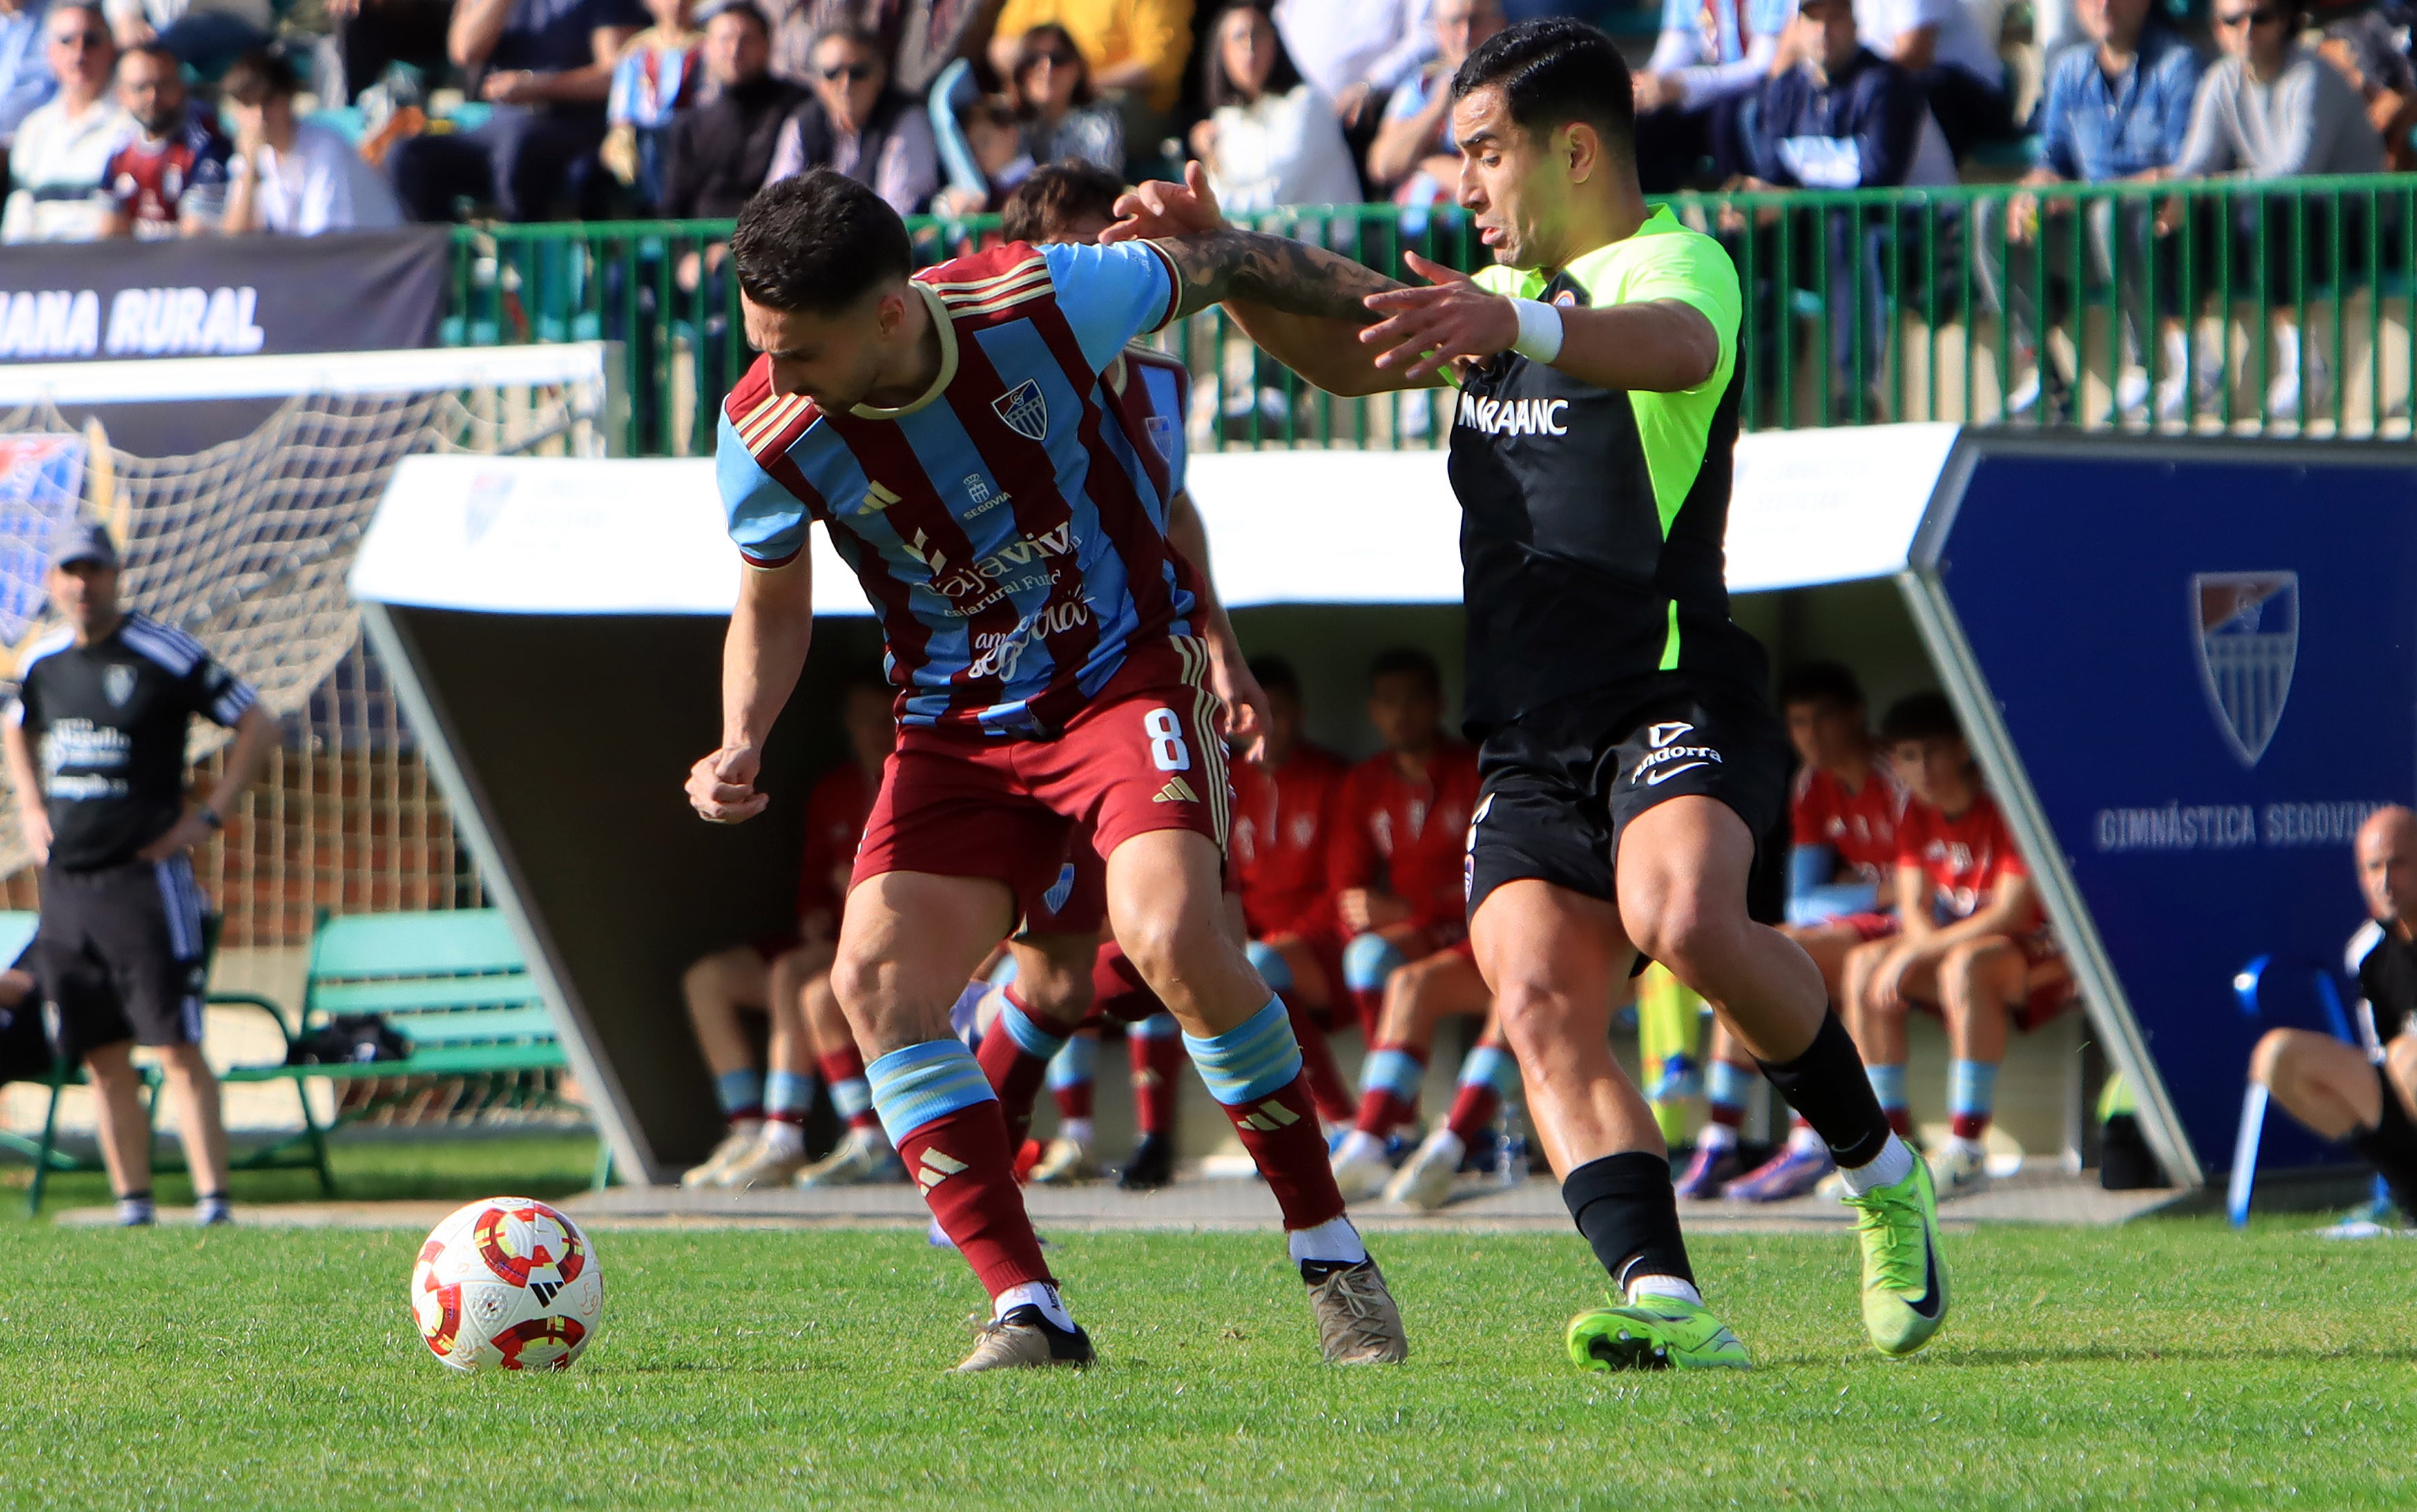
[
  {"x": 936, "y": 1168},
  {"x": 1176, "y": 790},
  {"x": 1513, "y": 417},
  {"x": 876, "y": 499},
  {"x": 1269, "y": 1117}
]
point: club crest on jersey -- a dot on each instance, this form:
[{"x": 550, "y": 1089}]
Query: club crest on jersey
[
  {"x": 1661, "y": 734},
  {"x": 2248, "y": 626},
  {"x": 1025, "y": 411},
  {"x": 1063, "y": 888},
  {"x": 1161, "y": 435},
  {"x": 118, "y": 683}
]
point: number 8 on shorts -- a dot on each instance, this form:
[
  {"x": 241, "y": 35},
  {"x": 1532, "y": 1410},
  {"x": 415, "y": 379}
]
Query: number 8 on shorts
[{"x": 1167, "y": 752}]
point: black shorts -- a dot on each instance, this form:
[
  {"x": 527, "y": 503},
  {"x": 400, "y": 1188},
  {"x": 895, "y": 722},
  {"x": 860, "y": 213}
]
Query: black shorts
[
  {"x": 1560, "y": 784},
  {"x": 120, "y": 951}
]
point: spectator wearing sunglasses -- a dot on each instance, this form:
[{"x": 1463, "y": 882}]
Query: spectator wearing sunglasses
[
  {"x": 2272, "y": 109},
  {"x": 858, "y": 126},
  {"x": 63, "y": 148},
  {"x": 1063, "y": 115}
]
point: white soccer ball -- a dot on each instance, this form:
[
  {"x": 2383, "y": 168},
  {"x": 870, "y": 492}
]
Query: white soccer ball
[{"x": 506, "y": 1283}]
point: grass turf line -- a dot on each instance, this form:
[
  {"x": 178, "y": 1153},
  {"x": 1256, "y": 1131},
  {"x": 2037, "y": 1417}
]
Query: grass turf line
[{"x": 2166, "y": 1364}]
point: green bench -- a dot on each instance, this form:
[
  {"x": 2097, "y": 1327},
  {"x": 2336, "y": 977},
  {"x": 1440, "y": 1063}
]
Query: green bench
[{"x": 451, "y": 982}]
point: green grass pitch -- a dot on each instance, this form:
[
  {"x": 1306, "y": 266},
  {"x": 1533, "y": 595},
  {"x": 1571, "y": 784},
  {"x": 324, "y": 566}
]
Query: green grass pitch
[{"x": 2167, "y": 1363}]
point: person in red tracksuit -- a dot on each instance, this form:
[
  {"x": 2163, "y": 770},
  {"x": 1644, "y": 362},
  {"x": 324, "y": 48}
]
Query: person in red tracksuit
[
  {"x": 1398, "y": 878},
  {"x": 1284, "y": 828}
]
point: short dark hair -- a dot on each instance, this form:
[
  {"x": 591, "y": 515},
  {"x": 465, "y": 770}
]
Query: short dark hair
[
  {"x": 1217, "y": 86},
  {"x": 1920, "y": 716},
  {"x": 156, "y": 49},
  {"x": 818, "y": 243},
  {"x": 747, "y": 10},
  {"x": 1276, "y": 675},
  {"x": 1408, "y": 661},
  {"x": 1053, "y": 198},
  {"x": 257, "y": 78},
  {"x": 1552, "y": 70},
  {"x": 1819, "y": 682}
]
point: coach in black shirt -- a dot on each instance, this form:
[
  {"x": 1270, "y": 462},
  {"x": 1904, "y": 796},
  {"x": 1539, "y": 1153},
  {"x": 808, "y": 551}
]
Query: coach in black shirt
[
  {"x": 2365, "y": 1095},
  {"x": 718, "y": 153},
  {"x": 96, "y": 751}
]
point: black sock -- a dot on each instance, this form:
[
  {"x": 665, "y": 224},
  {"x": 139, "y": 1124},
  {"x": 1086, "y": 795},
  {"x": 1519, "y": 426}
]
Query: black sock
[
  {"x": 1626, "y": 1208},
  {"x": 2390, "y": 1146},
  {"x": 1828, "y": 1086}
]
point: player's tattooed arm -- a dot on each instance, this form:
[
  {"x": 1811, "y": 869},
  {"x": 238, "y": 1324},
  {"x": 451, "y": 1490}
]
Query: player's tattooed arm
[{"x": 1276, "y": 272}]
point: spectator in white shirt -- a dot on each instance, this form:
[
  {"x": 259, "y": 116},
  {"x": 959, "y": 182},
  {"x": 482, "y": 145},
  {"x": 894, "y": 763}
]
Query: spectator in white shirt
[
  {"x": 294, "y": 178},
  {"x": 25, "y": 81},
  {"x": 1356, "y": 52},
  {"x": 63, "y": 147},
  {"x": 1271, "y": 137},
  {"x": 1951, "y": 49}
]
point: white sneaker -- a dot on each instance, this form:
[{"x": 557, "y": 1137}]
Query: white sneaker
[
  {"x": 734, "y": 1148},
  {"x": 863, "y": 1159},
  {"x": 771, "y": 1162},
  {"x": 1065, "y": 1163},
  {"x": 2312, "y": 383},
  {"x": 1360, "y": 1169},
  {"x": 2026, "y": 395},
  {"x": 2181, "y": 396},
  {"x": 2131, "y": 397},
  {"x": 1962, "y": 1167},
  {"x": 1426, "y": 1181}
]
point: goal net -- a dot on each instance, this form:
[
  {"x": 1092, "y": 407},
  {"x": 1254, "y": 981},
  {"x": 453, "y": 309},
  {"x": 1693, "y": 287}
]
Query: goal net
[{"x": 245, "y": 542}]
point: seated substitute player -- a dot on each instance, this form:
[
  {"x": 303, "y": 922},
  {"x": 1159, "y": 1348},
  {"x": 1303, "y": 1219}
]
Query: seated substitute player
[
  {"x": 94, "y": 743},
  {"x": 1395, "y": 867},
  {"x": 1630, "y": 758},
  {"x": 774, "y": 976},
  {"x": 1006, "y": 515},
  {"x": 2365, "y": 1096},
  {"x": 1840, "y": 888},
  {"x": 1976, "y": 948},
  {"x": 1283, "y": 824}
]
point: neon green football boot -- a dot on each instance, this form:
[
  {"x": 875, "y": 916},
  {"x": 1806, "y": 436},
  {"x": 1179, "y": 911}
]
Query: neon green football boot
[
  {"x": 1905, "y": 1279},
  {"x": 1654, "y": 1333}
]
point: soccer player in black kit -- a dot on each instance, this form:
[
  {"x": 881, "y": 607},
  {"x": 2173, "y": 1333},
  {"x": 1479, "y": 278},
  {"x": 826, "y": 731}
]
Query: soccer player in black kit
[
  {"x": 94, "y": 743},
  {"x": 1629, "y": 751}
]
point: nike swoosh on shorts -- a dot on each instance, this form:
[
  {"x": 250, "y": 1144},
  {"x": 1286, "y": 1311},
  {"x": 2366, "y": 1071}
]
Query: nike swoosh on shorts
[{"x": 1655, "y": 778}]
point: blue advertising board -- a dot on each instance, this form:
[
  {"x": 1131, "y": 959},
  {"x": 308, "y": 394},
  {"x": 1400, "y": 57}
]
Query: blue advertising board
[{"x": 2204, "y": 657}]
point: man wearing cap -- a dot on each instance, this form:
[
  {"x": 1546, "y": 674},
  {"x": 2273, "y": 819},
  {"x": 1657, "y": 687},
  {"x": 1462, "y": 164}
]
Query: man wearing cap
[{"x": 103, "y": 703}]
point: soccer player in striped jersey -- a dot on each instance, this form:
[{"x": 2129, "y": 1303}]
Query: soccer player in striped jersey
[
  {"x": 1632, "y": 762},
  {"x": 953, "y": 433}
]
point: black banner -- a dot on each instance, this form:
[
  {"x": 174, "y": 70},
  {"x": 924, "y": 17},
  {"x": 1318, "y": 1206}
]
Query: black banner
[{"x": 222, "y": 296}]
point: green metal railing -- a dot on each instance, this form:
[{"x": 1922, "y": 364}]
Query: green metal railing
[{"x": 2219, "y": 305}]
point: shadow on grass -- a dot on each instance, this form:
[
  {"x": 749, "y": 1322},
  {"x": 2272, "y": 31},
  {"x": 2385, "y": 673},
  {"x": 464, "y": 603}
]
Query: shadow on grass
[{"x": 1948, "y": 1356}]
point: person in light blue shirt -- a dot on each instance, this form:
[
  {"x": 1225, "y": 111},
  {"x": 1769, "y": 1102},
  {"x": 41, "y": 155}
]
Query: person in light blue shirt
[
  {"x": 26, "y": 79},
  {"x": 2117, "y": 110}
]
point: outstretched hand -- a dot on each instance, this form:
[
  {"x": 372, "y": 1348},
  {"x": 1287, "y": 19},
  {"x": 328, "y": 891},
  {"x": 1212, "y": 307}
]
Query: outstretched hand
[
  {"x": 1161, "y": 208},
  {"x": 1425, "y": 330}
]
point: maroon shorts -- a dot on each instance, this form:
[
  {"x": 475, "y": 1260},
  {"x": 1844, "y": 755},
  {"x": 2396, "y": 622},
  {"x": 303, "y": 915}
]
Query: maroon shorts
[
  {"x": 1143, "y": 755},
  {"x": 1118, "y": 996}
]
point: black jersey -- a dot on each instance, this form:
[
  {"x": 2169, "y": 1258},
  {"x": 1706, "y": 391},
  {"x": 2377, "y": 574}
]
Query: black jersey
[
  {"x": 1592, "y": 521},
  {"x": 2386, "y": 967},
  {"x": 108, "y": 723}
]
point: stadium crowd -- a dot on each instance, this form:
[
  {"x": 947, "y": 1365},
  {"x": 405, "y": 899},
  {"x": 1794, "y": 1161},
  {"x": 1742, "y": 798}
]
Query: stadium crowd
[
  {"x": 1902, "y": 881},
  {"x": 184, "y": 115}
]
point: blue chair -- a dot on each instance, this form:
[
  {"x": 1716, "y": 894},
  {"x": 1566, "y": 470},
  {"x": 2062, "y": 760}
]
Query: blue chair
[{"x": 2246, "y": 987}]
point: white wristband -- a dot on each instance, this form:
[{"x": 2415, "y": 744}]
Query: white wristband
[{"x": 1539, "y": 330}]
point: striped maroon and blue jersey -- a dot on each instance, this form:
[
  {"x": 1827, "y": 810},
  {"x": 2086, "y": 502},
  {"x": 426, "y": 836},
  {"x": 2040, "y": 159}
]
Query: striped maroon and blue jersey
[{"x": 1010, "y": 526}]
